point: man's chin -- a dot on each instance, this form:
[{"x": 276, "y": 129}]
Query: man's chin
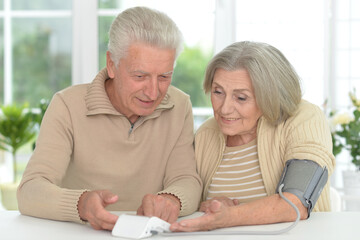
[
  {"x": 146, "y": 112},
  {"x": 145, "y": 109}
]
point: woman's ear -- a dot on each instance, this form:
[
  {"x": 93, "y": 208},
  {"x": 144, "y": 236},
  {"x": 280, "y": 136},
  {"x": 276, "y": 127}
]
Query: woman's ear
[{"x": 110, "y": 65}]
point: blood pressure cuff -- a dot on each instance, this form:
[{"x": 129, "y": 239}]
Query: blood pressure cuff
[{"x": 305, "y": 179}]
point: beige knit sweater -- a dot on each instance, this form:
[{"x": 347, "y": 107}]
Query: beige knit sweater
[
  {"x": 305, "y": 135},
  {"x": 84, "y": 143}
]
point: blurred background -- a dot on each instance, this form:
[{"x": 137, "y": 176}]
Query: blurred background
[{"x": 48, "y": 45}]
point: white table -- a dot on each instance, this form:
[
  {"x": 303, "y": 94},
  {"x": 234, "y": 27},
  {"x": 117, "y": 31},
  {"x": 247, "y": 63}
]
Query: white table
[{"x": 334, "y": 225}]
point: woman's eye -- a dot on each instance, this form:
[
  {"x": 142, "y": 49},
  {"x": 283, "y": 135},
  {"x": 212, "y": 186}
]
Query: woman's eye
[
  {"x": 241, "y": 99},
  {"x": 216, "y": 92}
]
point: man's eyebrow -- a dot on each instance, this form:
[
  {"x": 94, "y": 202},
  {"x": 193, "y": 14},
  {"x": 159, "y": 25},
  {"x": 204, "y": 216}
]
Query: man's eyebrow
[
  {"x": 167, "y": 73},
  {"x": 139, "y": 71},
  {"x": 143, "y": 72}
]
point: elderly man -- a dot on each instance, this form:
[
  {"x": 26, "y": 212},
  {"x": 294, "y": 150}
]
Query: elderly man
[{"x": 122, "y": 142}]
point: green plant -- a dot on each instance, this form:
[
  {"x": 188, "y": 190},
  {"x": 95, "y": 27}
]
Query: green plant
[
  {"x": 44, "y": 103},
  {"x": 189, "y": 74},
  {"x": 346, "y": 133},
  {"x": 17, "y": 127}
]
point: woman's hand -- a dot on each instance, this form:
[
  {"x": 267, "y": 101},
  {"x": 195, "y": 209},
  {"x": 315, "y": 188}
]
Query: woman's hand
[
  {"x": 217, "y": 216},
  {"x": 204, "y": 207}
]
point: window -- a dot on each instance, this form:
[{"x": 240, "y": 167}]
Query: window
[
  {"x": 36, "y": 49},
  {"x": 35, "y": 56},
  {"x": 44, "y": 30},
  {"x": 344, "y": 58},
  {"x": 296, "y": 28},
  {"x": 345, "y": 50}
]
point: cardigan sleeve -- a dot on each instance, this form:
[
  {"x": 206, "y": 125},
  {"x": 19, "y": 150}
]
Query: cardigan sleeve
[
  {"x": 308, "y": 136},
  {"x": 305, "y": 135}
]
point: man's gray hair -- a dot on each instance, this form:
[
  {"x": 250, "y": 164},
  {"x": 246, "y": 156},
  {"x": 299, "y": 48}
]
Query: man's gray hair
[
  {"x": 275, "y": 82},
  {"x": 143, "y": 25}
]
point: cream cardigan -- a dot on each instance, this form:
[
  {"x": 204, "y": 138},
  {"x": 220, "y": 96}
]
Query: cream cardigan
[{"x": 305, "y": 135}]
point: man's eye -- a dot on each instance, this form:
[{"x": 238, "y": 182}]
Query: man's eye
[
  {"x": 217, "y": 92},
  {"x": 164, "y": 77},
  {"x": 139, "y": 77}
]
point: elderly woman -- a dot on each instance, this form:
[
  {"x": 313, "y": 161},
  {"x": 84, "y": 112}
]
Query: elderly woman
[{"x": 260, "y": 122}]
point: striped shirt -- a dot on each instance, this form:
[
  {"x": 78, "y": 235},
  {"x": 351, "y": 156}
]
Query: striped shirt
[{"x": 239, "y": 175}]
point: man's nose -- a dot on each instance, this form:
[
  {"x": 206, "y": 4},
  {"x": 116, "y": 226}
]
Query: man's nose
[{"x": 152, "y": 89}]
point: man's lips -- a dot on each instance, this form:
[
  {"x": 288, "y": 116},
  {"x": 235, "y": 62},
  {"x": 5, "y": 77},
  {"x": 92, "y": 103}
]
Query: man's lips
[{"x": 146, "y": 102}]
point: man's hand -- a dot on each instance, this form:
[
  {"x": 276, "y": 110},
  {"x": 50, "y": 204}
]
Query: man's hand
[
  {"x": 164, "y": 206},
  {"x": 91, "y": 208},
  {"x": 205, "y": 206}
]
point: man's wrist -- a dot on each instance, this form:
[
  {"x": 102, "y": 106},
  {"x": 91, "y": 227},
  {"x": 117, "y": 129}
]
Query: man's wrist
[
  {"x": 80, "y": 204},
  {"x": 173, "y": 198}
]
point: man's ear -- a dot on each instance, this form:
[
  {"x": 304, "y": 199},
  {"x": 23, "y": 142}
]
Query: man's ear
[{"x": 110, "y": 65}]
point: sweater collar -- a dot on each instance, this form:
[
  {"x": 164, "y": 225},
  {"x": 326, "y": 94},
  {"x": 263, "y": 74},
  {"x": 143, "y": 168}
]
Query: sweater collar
[{"x": 98, "y": 102}]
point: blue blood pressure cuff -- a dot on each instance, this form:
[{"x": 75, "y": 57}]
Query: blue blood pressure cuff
[{"x": 305, "y": 179}]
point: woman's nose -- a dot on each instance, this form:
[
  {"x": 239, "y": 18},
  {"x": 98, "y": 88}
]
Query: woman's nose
[{"x": 227, "y": 106}]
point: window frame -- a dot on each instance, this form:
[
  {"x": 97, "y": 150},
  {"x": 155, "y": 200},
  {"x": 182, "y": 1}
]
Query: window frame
[
  {"x": 85, "y": 40},
  {"x": 8, "y": 15}
]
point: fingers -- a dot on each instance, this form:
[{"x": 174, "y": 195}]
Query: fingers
[
  {"x": 204, "y": 207},
  {"x": 140, "y": 211},
  {"x": 216, "y": 206},
  {"x": 108, "y": 197},
  {"x": 103, "y": 221},
  {"x": 173, "y": 206},
  {"x": 163, "y": 206},
  {"x": 202, "y": 223},
  {"x": 148, "y": 205},
  {"x": 91, "y": 207},
  {"x": 215, "y": 217}
]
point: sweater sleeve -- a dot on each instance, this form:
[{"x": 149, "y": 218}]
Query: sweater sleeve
[
  {"x": 39, "y": 193},
  {"x": 181, "y": 178}
]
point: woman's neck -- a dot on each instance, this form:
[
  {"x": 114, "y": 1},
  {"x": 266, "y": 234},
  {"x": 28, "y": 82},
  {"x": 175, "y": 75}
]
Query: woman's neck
[{"x": 238, "y": 140}]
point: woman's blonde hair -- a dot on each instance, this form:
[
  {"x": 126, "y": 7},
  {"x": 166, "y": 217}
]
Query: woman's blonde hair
[{"x": 275, "y": 82}]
